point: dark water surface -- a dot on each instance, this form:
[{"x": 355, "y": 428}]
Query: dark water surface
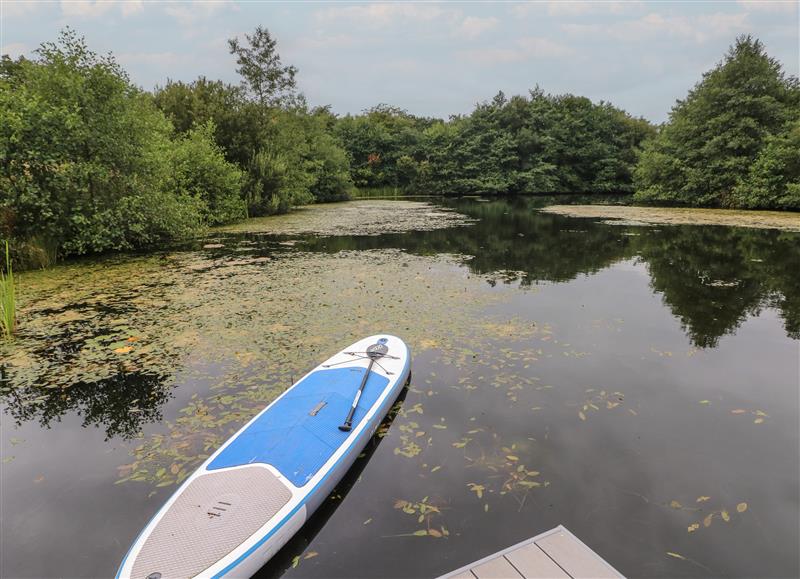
[{"x": 638, "y": 385}]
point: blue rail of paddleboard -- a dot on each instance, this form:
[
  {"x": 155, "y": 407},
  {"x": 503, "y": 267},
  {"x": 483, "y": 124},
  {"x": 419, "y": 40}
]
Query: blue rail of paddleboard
[{"x": 289, "y": 438}]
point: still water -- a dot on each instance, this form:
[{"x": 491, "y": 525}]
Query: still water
[{"x": 638, "y": 385}]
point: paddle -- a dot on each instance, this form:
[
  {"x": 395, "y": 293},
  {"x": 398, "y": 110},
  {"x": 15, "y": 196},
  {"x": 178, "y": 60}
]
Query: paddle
[{"x": 374, "y": 352}]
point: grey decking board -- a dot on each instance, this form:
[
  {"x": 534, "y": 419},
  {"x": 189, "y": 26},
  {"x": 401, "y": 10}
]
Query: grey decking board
[
  {"x": 497, "y": 568},
  {"x": 575, "y": 557},
  {"x": 533, "y": 563},
  {"x": 588, "y": 560}
]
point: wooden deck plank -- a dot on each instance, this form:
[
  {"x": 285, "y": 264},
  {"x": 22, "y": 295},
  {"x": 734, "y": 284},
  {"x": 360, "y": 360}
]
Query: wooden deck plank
[
  {"x": 533, "y": 563},
  {"x": 575, "y": 557},
  {"x": 567, "y": 554},
  {"x": 498, "y": 568}
]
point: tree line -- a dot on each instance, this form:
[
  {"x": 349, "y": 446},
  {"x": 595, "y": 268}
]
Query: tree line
[{"x": 91, "y": 163}]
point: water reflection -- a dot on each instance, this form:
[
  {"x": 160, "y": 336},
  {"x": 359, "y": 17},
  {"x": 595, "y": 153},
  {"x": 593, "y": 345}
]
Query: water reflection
[
  {"x": 711, "y": 277},
  {"x": 120, "y": 405}
]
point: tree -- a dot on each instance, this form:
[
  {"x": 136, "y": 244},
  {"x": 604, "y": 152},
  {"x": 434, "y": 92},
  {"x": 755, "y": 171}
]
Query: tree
[
  {"x": 713, "y": 137},
  {"x": 262, "y": 71},
  {"x": 773, "y": 181}
]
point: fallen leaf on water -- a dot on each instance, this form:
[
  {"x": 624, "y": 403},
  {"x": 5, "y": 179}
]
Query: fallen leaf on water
[
  {"x": 477, "y": 489},
  {"x": 676, "y": 555},
  {"x": 39, "y": 478},
  {"x": 738, "y": 411},
  {"x": 295, "y": 561},
  {"x": 741, "y": 507},
  {"x": 434, "y": 469},
  {"x": 435, "y": 533},
  {"x": 581, "y": 415},
  {"x": 702, "y": 499},
  {"x": 707, "y": 520},
  {"x": 705, "y": 402},
  {"x": 311, "y": 555},
  {"x": 758, "y": 420},
  {"x": 420, "y": 533},
  {"x": 368, "y": 521},
  {"x": 725, "y": 516},
  {"x": 675, "y": 505},
  {"x": 123, "y": 350},
  {"x": 693, "y": 527},
  {"x": 511, "y": 457}
]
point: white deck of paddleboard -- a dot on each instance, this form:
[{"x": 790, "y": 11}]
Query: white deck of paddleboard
[{"x": 555, "y": 554}]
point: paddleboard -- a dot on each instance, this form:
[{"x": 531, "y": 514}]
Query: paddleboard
[{"x": 256, "y": 491}]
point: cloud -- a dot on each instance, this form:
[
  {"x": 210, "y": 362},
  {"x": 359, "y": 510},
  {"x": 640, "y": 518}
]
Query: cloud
[
  {"x": 14, "y": 49},
  {"x": 190, "y": 14},
  {"x": 85, "y": 8},
  {"x": 654, "y": 25},
  {"x": 18, "y": 8},
  {"x": 381, "y": 14},
  {"x": 769, "y": 5},
  {"x": 97, "y": 8},
  {"x": 577, "y": 7},
  {"x": 473, "y": 26},
  {"x": 160, "y": 59},
  {"x": 528, "y": 48}
]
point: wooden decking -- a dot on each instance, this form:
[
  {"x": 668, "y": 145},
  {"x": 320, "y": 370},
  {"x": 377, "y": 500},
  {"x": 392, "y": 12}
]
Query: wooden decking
[{"x": 554, "y": 554}]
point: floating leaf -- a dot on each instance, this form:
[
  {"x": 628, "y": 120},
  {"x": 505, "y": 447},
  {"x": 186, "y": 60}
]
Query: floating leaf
[
  {"x": 725, "y": 516},
  {"x": 702, "y": 499},
  {"x": 420, "y": 533},
  {"x": 311, "y": 555},
  {"x": 738, "y": 411},
  {"x": 693, "y": 527},
  {"x": 368, "y": 521},
  {"x": 581, "y": 415},
  {"x": 295, "y": 561},
  {"x": 435, "y": 533},
  {"x": 758, "y": 420},
  {"x": 477, "y": 489},
  {"x": 675, "y": 505},
  {"x": 707, "y": 520},
  {"x": 705, "y": 402},
  {"x": 676, "y": 555},
  {"x": 741, "y": 507}
]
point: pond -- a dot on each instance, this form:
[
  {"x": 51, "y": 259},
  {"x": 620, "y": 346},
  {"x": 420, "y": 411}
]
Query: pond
[{"x": 635, "y": 383}]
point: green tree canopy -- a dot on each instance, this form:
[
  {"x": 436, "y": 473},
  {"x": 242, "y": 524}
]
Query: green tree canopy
[{"x": 714, "y": 136}]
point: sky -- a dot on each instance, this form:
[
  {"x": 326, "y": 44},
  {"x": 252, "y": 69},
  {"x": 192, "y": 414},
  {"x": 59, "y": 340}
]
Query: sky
[{"x": 430, "y": 58}]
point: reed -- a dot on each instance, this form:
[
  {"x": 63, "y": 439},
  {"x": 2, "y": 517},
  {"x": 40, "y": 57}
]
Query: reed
[{"x": 8, "y": 306}]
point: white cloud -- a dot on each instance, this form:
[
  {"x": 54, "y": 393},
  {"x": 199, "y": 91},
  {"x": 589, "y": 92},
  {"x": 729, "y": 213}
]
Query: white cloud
[
  {"x": 381, "y": 14},
  {"x": 473, "y": 26},
  {"x": 97, "y": 8},
  {"x": 85, "y": 8},
  {"x": 769, "y": 5},
  {"x": 18, "y": 8},
  {"x": 130, "y": 7},
  {"x": 577, "y": 7},
  {"x": 190, "y": 14},
  {"x": 528, "y": 48},
  {"x": 654, "y": 25},
  {"x": 14, "y": 49},
  {"x": 160, "y": 59}
]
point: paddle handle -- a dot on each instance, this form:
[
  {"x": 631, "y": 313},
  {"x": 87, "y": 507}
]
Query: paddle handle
[{"x": 348, "y": 422}]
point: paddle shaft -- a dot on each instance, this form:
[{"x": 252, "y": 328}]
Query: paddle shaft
[{"x": 348, "y": 422}]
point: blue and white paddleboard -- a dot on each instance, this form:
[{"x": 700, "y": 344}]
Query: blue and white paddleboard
[{"x": 254, "y": 493}]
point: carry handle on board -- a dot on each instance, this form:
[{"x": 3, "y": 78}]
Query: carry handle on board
[{"x": 374, "y": 352}]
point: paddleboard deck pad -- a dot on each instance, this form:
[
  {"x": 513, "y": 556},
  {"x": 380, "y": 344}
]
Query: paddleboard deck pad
[{"x": 256, "y": 491}]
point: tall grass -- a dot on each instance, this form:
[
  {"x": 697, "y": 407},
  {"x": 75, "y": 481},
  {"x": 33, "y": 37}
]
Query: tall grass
[{"x": 8, "y": 306}]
